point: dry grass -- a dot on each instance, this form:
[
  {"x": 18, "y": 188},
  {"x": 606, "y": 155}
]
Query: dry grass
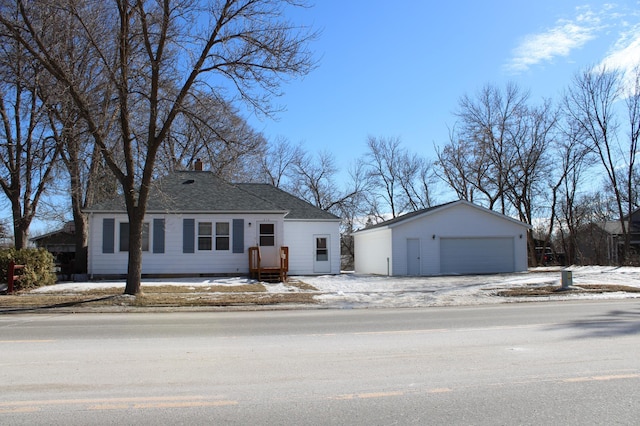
[
  {"x": 555, "y": 290},
  {"x": 227, "y": 299},
  {"x": 161, "y": 296},
  {"x": 33, "y": 301},
  {"x": 300, "y": 285}
]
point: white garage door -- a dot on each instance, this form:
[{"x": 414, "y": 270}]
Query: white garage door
[{"x": 476, "y": 255}]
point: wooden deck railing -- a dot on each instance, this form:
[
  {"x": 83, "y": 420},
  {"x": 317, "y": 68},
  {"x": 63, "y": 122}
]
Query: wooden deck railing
[
  {"x": 14, "y": 273},
  {"x": 255, "y": 259},
  {"x": 268, "y": 273}
]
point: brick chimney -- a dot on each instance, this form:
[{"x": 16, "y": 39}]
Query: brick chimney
[{"x": 197, "y": 166}]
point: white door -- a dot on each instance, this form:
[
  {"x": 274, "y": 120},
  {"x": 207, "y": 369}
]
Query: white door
[
  {"x": 268, "y": 244},
  {"x": 476, "y": 255},
  {"x": 322, "y": 254},
  {"x": 413, "y": 256}
]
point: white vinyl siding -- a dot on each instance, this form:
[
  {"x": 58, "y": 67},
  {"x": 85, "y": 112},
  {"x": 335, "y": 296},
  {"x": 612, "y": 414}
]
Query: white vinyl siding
[
  {"x": 373, "y": 252},
  {"x": 173, "y": 260},
  {"x": 300, "y": 237},
  {"x": 460, "y": 220}
]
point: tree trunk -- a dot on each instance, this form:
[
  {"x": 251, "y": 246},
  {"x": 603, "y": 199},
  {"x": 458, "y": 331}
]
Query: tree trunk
[
  {"x": 134, "y": 268},
  {"x": 79, "y": 219},
  {"x": 20, "y": 228},
  {"x": 20, "y": 236},
  {"x": 81, "y": 238}
]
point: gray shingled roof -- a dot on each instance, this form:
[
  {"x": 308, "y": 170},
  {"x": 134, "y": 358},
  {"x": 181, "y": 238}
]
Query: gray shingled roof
[
  {"x": 614, "y": 227},
  {"x": 297, "y": 208},
  {"x": 410, "y": 215},
  {"x": 203, "y": 192},
  {"x": 405, "y": 216},
  {"x": 195, "y": 191}
]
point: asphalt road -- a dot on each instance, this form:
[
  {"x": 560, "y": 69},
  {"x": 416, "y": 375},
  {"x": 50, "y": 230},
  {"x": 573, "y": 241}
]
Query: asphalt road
[{"x": 536, "y": 363}]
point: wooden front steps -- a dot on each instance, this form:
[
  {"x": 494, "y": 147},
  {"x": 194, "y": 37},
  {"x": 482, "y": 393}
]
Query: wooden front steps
[{"x": 271, "y": 274}]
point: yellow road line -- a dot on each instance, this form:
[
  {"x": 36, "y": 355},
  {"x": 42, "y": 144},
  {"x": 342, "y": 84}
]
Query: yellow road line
[
  {"x": 186, "y": 404},
  {"x": 114, "y": 402},
  {"x": 601, "y": 378},
  {"x": 440, "y": 390},
  {"x": 368, "y": 395},
  {"x": 19, "y": 410}
]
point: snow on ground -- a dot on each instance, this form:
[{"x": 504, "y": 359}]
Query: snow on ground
[
  {"x": 359, "y": 291},
  {"x": 349, "y": 290}
]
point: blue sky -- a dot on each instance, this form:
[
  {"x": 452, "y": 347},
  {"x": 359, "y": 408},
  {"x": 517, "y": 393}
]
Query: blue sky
[{"x": 397, "y": 69}]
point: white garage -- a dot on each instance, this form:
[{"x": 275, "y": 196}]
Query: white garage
[{"x": 453, "y": 238}]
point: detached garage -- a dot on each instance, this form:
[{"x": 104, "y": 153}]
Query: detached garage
[{"x": 453, "y": 238}]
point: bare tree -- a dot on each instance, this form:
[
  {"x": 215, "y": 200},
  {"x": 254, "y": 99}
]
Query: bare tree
[
  {"x": 4, "y": 232},
  {"x": 400, "y": 181},
  {"x": 159, "y": 57},
  {"x": 488, "y": 128},
  {"x": 89, "y": 179},
  {"x": 591, "y": 101},
  {"x": 279, "y": 160},
  {"x": 528, "y": 177},
  {"x": 417, "y": 180},
  {"x": 383, "y": 158},
  {"x": 313, "y": 179},
  {"x": 456, "y": 166},
  {"x": 632, "y": 99},
  {"x": 27, "y": 152},
  {"x": 213, "y": 132}
]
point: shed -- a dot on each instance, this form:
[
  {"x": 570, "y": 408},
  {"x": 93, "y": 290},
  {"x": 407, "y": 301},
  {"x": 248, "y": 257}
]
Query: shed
[
  {"x": 454, "y": 238},
  {"x": 61, "y": 244}
]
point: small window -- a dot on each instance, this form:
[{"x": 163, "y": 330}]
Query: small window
[
  {"x": 124, "y": 236},
  {"x": 204, "y": 236},
  {"x": 145, "y": 236},
  {"x": 222, "y": 235},
  {"x": 322, "y": 253},
  {"x": 267, "y": 235}
]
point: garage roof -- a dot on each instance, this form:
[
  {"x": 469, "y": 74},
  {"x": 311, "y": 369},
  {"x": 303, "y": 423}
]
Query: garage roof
[{"x": 430, "y": 210}]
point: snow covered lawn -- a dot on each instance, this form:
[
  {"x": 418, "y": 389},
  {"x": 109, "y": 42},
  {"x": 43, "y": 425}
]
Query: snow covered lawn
[{"x": 361, "y": 291}]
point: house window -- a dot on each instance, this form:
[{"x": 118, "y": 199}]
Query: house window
[
  {"x": 204, "y": 236},
  {"x": 267, "y": 235},
  {"x": 222, "y": 235},
  {"x": 124, "y": 236},
  {"x": 322, "y": 253}
]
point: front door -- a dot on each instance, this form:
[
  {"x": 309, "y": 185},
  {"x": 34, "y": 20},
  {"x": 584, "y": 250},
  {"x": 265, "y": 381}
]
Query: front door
[
  {"x": 267, "y": 241},
  {"x": 413, "y": 256},
  {"x": 321, "y": 254}
]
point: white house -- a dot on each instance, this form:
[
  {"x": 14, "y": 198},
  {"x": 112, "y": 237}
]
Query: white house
[
  {"x": 453, "y": 238},
  {"x": 198, "y": 224}
]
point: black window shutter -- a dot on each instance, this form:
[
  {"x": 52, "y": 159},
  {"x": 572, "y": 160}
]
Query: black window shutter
[
  {"x": 188, "y": 235},
  {"x": 238, "y": 235},
  {"x": 158, "y": 235},
  {"x": 108, "y": 235},
  {"x": 124, "y": 236}
]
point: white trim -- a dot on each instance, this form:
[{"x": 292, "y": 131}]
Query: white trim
[{"x": 399, "y": 221}]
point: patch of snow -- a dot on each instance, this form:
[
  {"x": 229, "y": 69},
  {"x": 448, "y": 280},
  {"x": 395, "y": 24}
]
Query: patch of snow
[{"x": 349, "y": 290}]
